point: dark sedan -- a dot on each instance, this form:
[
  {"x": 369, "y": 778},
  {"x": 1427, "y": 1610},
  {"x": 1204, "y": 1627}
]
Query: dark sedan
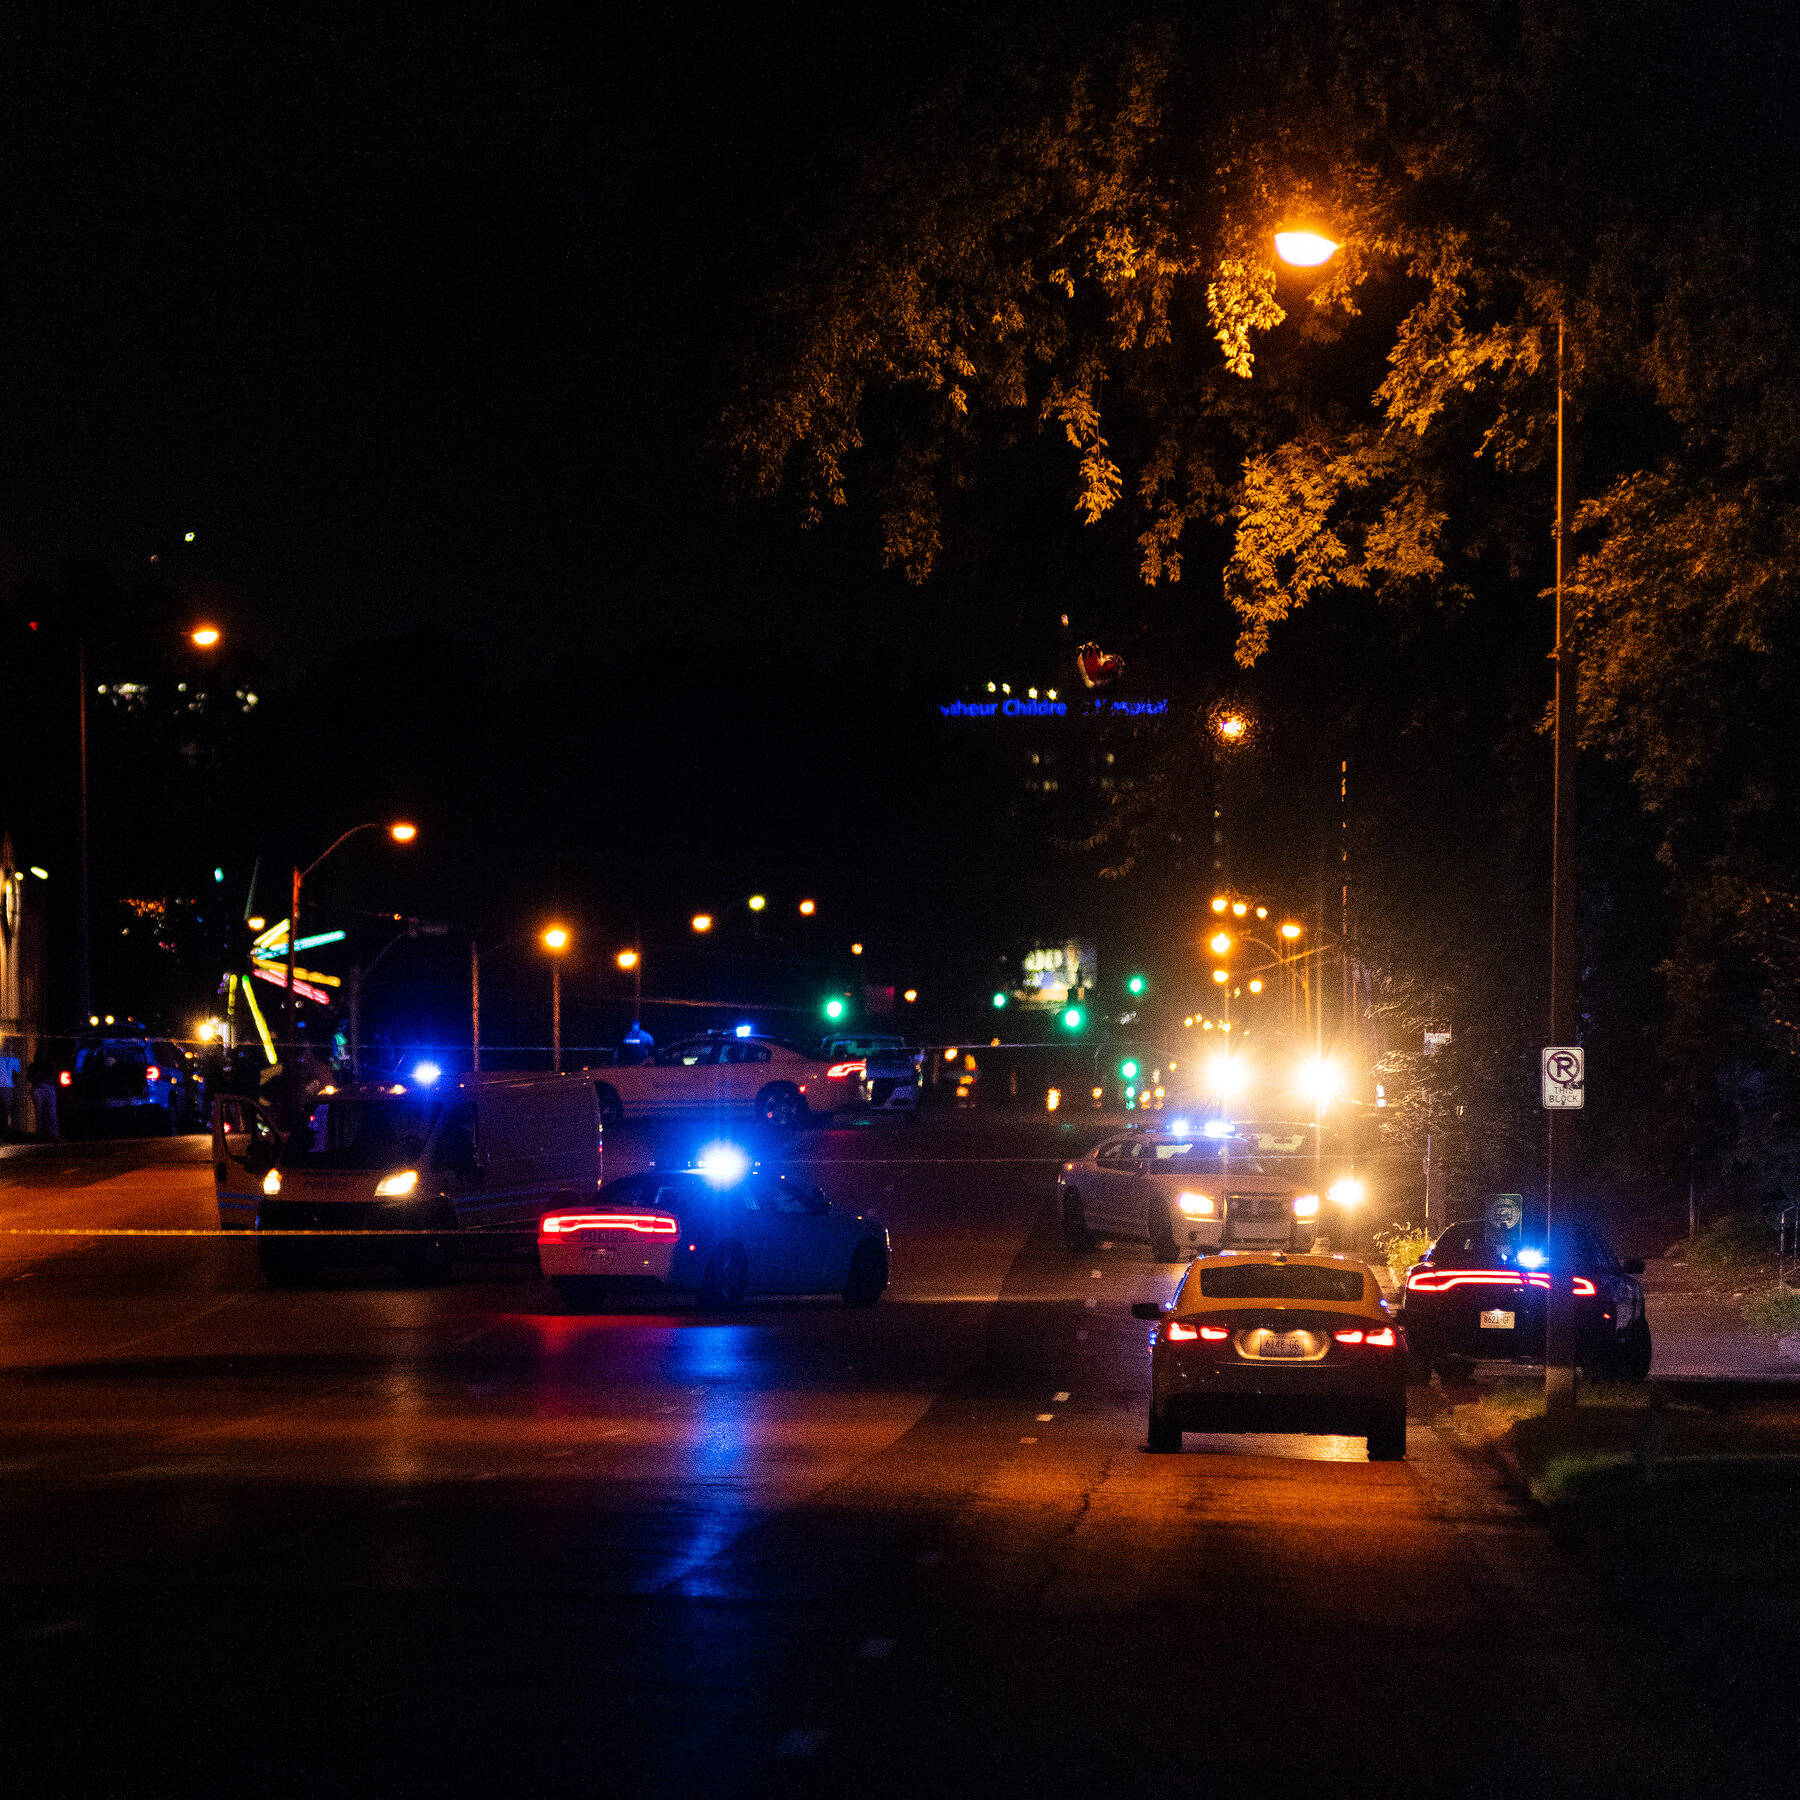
[{"x": 1480, "y": 1295}]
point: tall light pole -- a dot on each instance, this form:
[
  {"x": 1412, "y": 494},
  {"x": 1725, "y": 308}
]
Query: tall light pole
[
  {"x": 402, "y": 833},
  {"x": 556, "y": 940},
  {"x": 202, "y": 637},
  {"x": 1307, "y": 249}
]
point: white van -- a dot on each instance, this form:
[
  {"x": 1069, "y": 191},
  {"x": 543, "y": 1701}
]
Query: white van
[{"x": 488, "y": 1153}]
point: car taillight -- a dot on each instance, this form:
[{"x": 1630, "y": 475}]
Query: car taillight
[
  {"x": 1437, "y": 1281},
  {"x": 64, "y": 1078},
  {"x": 153, "y": 1073},
  {"x": 1380, "y": 1339},
  {"x": 1214, "y": 1334},
  {"x": 844, "y": 1070},
  {"x": 1186, "y": 1334},
  {"x": 1582, "y": 1286},
  {"x": 646, "y": 1224}
]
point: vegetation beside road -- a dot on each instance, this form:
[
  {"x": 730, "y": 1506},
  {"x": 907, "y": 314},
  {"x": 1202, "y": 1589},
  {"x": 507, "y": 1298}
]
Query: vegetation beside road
[{"x": 1624, "y": 1440}]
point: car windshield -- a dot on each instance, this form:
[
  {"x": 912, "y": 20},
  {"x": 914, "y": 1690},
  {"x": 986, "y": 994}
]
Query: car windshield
[
  {"x": 866, "y": 1047},
  {"x": 1204, "y": 1157},
  {"x": 112, "y": 1056},
  {"x": 1279, "y": 1281},
  {"x": 356, "y": 1131}
]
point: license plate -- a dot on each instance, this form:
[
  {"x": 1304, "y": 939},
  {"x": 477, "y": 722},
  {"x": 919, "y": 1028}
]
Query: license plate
[
  {"x": 1284, "y": 1343},
  {"x": 1496, "y": 1320}
]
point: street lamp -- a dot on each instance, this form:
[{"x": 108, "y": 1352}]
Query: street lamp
[
  {"x": 1307, "y": 250},
  {"x": 402, "y": 832},
  {"x": 206, "y": 638},
  {"x": 633, "y": 961},
  {"x": 701, "y": 922},
  {"x": 555, "y": 939}
]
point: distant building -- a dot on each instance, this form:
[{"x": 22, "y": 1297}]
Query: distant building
[{"x": 21, "y": 979}]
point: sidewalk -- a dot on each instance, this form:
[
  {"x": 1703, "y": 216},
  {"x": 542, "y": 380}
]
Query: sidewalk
[{"x": 1700, "y": 1335}]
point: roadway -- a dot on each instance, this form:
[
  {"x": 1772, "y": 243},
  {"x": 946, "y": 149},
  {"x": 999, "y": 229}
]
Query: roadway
[{"x": 376, "y": 1539}]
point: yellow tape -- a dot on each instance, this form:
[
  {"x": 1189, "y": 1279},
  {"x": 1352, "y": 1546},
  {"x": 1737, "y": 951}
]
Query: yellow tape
[{"x": 128, "y": 1231}]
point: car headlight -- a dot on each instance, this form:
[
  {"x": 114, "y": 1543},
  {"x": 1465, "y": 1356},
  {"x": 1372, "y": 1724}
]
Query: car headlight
[
  {"x": 1307, "y": 1206},
  {"x": 397, "y": 1187},
  {"x": 1196, "y": 1206},
  {"x": 272, "y": 1182},
  {"x": 1348, "y": 1192}
]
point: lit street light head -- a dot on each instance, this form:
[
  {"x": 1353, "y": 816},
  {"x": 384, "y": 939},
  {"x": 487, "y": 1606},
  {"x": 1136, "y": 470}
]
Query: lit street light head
[
  {"x": 701, "y": 922},
  {"x": 1220, "y": 943},
  {"x": 402, "y": 832},
  {"x": 627, "y": 959},
  {"x": 204, "y": 636},
  {"x": 556, "y": 938},
  {"x": 1304, "y": 249}
]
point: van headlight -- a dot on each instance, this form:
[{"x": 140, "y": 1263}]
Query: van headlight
[
  {"x": 1307, "y": 1207},
  {"x": 1348, "y": 1192},
  {"x": 272, "y": 1182},
  {"x": 1196, "y": 1206},
  {"x": 397, "y": 1187}
]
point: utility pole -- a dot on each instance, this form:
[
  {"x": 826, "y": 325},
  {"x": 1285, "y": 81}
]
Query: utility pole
[
  {"x": 475, "y": 1003},
  {"x": 1559, "y": 1158}
]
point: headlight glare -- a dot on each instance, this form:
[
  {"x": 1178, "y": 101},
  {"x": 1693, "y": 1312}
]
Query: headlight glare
[
  {"x": 1196, "y": 1206},
  {"x": 397, "y": 1187},
  {"x": 272, "y": 1182},
  {"x": 1307, "y": 1206}
]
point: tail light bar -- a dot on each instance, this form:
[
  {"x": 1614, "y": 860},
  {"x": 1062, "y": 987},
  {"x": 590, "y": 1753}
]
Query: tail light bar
[
  {"x": 1186, "y": 1334},
  {"x": 645, "y": 1224},
  {"x": 844, "y": 1070},
  {"x": 153, "y": 1073},
  {"x": 1381, "y": 1338},
  {"x": 1439, "y": 1281}
]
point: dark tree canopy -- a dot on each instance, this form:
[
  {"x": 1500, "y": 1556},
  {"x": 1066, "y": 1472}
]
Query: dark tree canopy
[{"x": 1074, "y": 240}]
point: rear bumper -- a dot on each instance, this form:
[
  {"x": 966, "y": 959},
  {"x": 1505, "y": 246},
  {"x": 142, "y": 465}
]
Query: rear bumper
[
  {"x": 1375, "y": 1379},
  {"x": 1436, "y": 1331},
  {"x": 610, "y": 1257}
]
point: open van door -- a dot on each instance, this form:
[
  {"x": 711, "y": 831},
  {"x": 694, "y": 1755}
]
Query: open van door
[{"x": 245, "y": 1147}]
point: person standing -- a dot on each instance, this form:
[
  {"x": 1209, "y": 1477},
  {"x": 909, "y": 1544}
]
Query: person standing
[
  {"x": 11, "y": 1076},
  {"x": 43, "y": 1100}
]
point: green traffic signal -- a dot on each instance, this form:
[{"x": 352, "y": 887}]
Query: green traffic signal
[
  {"x": 1128, "y": 1070},
  {"x": 999, "y": 999},
  {"x": 835, "y": 1007},
  {"x": 1136, "y": 985},
  {"x": 1072, "y": 1019}
]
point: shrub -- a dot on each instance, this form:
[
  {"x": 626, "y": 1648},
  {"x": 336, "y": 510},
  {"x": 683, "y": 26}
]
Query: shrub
[
  {"x": 1772, "y": 1309},
  {"x": 1403, "y": 1245},
  {"x": 1732, "y": 1245}
]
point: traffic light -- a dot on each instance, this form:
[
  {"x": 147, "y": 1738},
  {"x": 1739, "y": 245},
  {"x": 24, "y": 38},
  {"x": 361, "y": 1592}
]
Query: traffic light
[
  {"x": 836, "y": 1007},
  {"x": 999, "y": 999},
  {"x": 1136, "y": 985},
  {"x": 1128, "y": 1070},
  {"x": 1073, "y": 1019}
]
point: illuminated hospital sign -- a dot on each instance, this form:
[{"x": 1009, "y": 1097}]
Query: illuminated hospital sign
[{"x": 1099, "y": 707}]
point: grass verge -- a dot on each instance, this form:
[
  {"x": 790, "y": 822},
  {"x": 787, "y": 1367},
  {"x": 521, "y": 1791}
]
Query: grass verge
[{"x": 1623, "y": 1440}]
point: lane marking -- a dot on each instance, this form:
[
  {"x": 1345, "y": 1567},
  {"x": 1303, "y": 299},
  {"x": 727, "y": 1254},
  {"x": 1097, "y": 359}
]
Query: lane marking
[
  {"x": 1107, "y": 1245},
  {"x": 1058, "y": 1399},
  {"x": 1027, "y": 1440},
  {"x": 1046, "y": 1418},
  {"x": 1095, "y": 1273}
]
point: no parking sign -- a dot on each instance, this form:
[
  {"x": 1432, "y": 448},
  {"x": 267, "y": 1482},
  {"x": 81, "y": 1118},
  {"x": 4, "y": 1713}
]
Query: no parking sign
[{"x": 1565, "y": 1077}]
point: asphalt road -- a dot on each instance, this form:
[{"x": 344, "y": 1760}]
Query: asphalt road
[{"x": 375, "y": 1539}]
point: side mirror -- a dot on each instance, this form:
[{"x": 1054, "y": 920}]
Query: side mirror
[
  {"x": 1147, "y": 1309},
  {"x": 1633, "y": 1265}
]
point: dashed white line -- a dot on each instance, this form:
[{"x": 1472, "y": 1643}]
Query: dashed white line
[
  {"x": 1095, "y": 1274},
  {"x": 1058, "y": 1399},
  {"x": 1028, "y": 1440},
  {"x": 1046, "y": 1418}
]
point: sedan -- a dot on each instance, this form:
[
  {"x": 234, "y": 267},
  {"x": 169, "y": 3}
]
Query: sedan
[
  {"x": 1183, "y": 1193},
  {"x": 718, "y": 1075},
  {"x": 1268, "y": 1342},
  {"x": 1480, "y": 1294},
  {"x": 719, "y": 1231}
]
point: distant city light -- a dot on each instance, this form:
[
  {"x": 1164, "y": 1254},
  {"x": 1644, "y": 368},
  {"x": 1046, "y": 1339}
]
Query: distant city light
[
  {"x": 701, "y": 922},
  {"x": 187, "y": 537},
  {"x": 856, "y": 949},
  {"x": 1256, "y": 985},
  {"x": 808, "y": 908},
  {"x": 758, "y": 902},
  {"x": 910, "y": 995},
  {"x": 1290, "y": 931},
  {"x": 1239, "y": 908},
  {"x": 205, "y": 636},
  {"x": 41, "y": 874},
  {"x": 218, "y": 874},
  {"x": 1220, "y": 903},
  {"x": 257, "y": 924}
]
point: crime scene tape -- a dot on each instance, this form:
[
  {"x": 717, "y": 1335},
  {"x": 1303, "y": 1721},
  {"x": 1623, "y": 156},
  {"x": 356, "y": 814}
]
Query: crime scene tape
[{"x": 246, "y": 1235}]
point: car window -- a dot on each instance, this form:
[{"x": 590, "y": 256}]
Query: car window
[
  {"x": 795, "y": 1197},
  {"x": 697, "y": 1055},
  {"x": 1463, "y": 1247},
  {"x": 1592, "y": 1253},
  {"x": 1279, "y": 1281},
  {"x": 167, "y": 1055},
  {"x": 455, "y": 1146},
  {"x": 746, "y": 1053},
  {"x": 1122, "y": 1154}
]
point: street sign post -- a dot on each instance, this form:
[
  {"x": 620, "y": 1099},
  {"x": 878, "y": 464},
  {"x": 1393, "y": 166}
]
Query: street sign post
[{"x": 1564, "y": 1070}]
